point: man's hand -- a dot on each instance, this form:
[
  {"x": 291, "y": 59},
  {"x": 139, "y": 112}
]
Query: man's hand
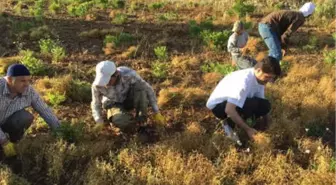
[
  {"x": 158, "y": 118},
  {"x": 9, "y": 149},
  {"x": 251, "y": 132}
]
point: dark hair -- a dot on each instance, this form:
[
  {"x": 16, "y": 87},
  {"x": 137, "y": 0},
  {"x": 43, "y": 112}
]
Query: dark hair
[{"x": 269, "y": 65}]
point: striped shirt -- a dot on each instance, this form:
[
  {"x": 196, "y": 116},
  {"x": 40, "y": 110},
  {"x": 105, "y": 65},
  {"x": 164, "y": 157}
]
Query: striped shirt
[
  {"x": 118, "y": 93},
  {"x": 30, "y": 97}
]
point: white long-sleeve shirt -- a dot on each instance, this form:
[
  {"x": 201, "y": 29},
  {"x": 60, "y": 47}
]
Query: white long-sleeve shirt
[{"x": 236, "y": 42}]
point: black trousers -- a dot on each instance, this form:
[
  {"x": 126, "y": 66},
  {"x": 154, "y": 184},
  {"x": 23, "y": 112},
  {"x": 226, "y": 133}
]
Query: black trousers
[
  {"x": 253, "y": 107},
  {"x": 17, "y": 124}
]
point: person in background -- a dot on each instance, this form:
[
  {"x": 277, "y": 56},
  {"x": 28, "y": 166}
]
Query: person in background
[
  {"x": 277, "y": 27},
  {"x": 16, "y": 94},
  {"x": 237, "y": 41}
]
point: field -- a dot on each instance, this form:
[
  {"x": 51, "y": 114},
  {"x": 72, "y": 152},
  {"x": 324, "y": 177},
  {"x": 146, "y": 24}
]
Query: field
[{"x": 179, "y": 47}]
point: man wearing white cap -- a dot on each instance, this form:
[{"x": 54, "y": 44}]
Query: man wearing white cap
[
  {"x": 237, "y": 41},
  {"x": 119, "y": 90},
  {"x": 277, "y": 27}
]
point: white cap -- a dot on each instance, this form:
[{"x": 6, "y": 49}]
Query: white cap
[
  {"x": 307, "y": 9},
  {"x": 104, "y": 71}
]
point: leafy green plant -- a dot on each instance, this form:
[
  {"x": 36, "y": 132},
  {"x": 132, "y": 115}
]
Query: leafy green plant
[
  {"x": 54, "y": 6},
  {"x": 215, "y": 40},
  {"x": 329, "y": 56},
  {"x": 35, "y": 66},
  {"x": 120, "y": 18},
  {"x": 195, "y": 29},
  {"x": 159, "y": 69},
  {"x": 79, "y": 91},
  {"x": 119, "y": 39},
  {"x": 223, "y": 69},
  {"x": 58, "y": 54},
  {"x": 40, "y": 32},
  {"x": 161, "y": 53},
  {"x": 284, "y": 66},
  {"x": 312, "y": 44},
  {"x": 70, "y": 132},
  {"x": 18, "y": 8},
  {"x": 46, "y": 45},
  {"x": 37, "y": 9},
  {"x": 117, "y": 4},
  {"x": 156, "y": 5},
  {"x": 81, "y": 9},
  {"x": 55, "y": 98},
  {"x": 241, "y": 8}
]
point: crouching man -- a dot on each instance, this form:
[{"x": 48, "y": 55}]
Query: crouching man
[
  {"x": 119, "y": 90},
  {"x": 240, "y": 95},
  {"x": 16, "y": 94}
]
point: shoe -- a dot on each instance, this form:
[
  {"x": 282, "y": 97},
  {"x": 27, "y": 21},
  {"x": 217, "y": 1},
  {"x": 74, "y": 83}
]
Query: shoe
[{"x": 231, "y": 134}]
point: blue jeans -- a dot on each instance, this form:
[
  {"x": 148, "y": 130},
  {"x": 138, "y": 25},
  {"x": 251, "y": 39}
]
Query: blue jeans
[{"x": 272, "y": 41}]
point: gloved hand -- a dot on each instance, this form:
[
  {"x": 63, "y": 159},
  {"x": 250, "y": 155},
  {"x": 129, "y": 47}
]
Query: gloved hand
[
  {"x": 158, "y": 118},
  {"x": 9, "y": 149}
]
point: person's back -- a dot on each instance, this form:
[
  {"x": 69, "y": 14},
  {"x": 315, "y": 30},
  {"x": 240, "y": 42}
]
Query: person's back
[{"x": 281, "y": 20}]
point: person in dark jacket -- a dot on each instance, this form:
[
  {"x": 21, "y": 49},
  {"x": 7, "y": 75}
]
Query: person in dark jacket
[{"x": 277, "y": 27}]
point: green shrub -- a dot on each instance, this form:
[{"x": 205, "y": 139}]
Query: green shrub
[
  {"x": 54, "y": 6},
  {"x": 35, "y": 66},
  {"x": 215, "y": 40},
  {"x": 223, "y": 69},
  {"x": 40, "y": 32},
  {"x": 70, "y": 132},
  {"x": 55, "y": 98},
  {"x": 195, "y": 29},
  {"x": 58, "y": 54},
  {"x": 284, "y": 66},
  {"x": 81, "y": 9},
  {"x": 46, "y": 45},
  {"x": 120, "y": 18},
  {"x": 117, "y": 4},
  {"x": 329, "y": 56},
  {"x": 79, "y": 91},
  {"x": 161, "y": 53},
  {"x": 156, "y": 5},
  {"x": 37, "y": 9},
  {"x": 312, "y": 44},
  {"x": 159, "y": 69},
  {"x": 119, "y": 39},
  {"x": 241, "y": 8}
]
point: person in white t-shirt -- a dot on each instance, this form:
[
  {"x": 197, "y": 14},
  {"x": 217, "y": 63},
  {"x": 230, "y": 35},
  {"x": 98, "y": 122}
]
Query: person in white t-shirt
[{"x": 240, "y": 95}]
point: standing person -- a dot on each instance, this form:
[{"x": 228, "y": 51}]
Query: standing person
[
  {"x": 240, "y": 95},
  {"x": 236, "y": 43},
  {"x": 277, "y": 27},
  {"x": 119, "y": 90},
  {"x": 16, "y": 94}
]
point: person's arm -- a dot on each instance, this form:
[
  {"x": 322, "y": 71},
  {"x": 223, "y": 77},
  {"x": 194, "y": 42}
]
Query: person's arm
[
  {"x": 96, "y": 105},
  {"x": 150, "y": 94},
  {"x": 232, "y": 45},
  {"x": 44, "y": 111},
  {"x": 231, "y": 111},
  {"x": 296, "y": 23}
]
